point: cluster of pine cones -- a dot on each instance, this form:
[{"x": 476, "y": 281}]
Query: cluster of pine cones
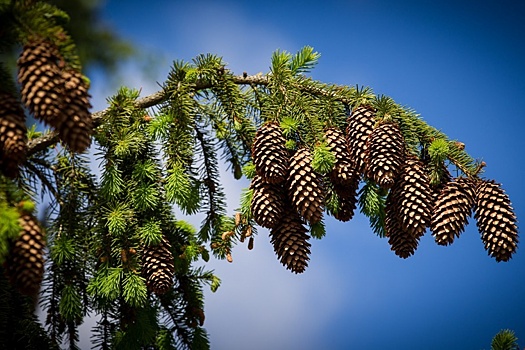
[
  {"x": 54, "y": 94},
  {"x": 288, "y": 193}
]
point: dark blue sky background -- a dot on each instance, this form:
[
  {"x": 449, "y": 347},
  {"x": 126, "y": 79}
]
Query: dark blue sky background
[{"x": 461, "y": 64}]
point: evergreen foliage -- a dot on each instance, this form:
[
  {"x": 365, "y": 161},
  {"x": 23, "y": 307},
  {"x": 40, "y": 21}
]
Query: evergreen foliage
[
  {"x": 115, "y": 248},
  {"x": 504, "y": 340}
]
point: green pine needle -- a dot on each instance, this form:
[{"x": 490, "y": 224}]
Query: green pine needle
[
  {"x": 63, "y": 250},
  {"x": 289, "y": 126},
  {"x": 246, "y": 203},
  {"x": 119, "y": 218},
  {"x": 180, "y": 190},
  {"x": 134, "y": 289},
  {"x": 505, "y": 340},
  {"x": 438, "y": 150},
  {"x": 146, "y": 196},
  {"x": 304, "y": 60},
  {"x": 323, "y": 159},
  {"x": 249, "y": 170},
  {"x": 150, "y": 233},
  {"x": 9, "y": 228},
  {"x": 110, "y": 283},
  {"x": 318, "y": 230},
  {"x": 70, "y": 306},
  {"x": 372, "y": 204}
]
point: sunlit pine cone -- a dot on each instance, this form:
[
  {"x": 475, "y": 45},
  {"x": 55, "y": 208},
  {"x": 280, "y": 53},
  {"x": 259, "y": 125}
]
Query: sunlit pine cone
[
  {"x": 267, "y": 204},
  {"x": 385, "y": 154},
  {"x": 157, "y": 267},
  {"x": 403, "y": 243},
  {"x": 360, "y": 124},
  {"x": 452, "y": 210},
  {"x": 496, "y": 220},
  {"x": 305, "y": 188},
  {"x": 269, "y": 154},
  {"x": 42, "y": 86},
  {"x": 77, "y": 127},
  {"x": 290, "y": 242},
  {"x": 413, "y": 195}
]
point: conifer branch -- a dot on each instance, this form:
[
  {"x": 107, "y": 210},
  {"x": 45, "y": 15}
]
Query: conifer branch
[{"x": 337, "y": 93}]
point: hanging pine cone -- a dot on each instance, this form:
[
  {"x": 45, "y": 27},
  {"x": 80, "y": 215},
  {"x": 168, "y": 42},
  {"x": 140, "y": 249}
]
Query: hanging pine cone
[
  {"x": 290, "y": 242},
  {"x": 269, "y": 153},
  {"x": 157, "y": 267},
  {"x": 346, "y": 209},
  {"x": 13, "y": 136},
  {"x": 402, "y": 242},
  {"x": 343, "y": 176},
  {"x": 496, "y": 220},
  {"x": 452, "y": 210},
  {"x": 54, "y": 94},
  {"x": 305, "y": 188},
  {"x": 25, "y": 262},
  {"x": 413, "y": 197},
  {"x": 335, "y": 140},
  {"x": 42, "y": 85},
  {"x": 345, "y": 180},
  {"x": 385, "y": 154},
  {"x": 267, "y": 204},
  {"x": 76, "y": 130},
  {"x": 360, "y": 125}
]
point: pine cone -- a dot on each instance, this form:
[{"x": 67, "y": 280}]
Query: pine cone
[
  {"x": 346, "y": 209},
  {"x": 445, "y": 178},
  {"x": 39, "y": 74},
  {"x": 402, "y": 242},
  {"x": 413, "y": 197},
  {"x": 290, "y": 242},
  {"x": 345, "y": 182},
  {"x": 269, "y": 153},
  {"x": 267, "y": 204},
  {"x": 385, "y": 154},
  {"x": 77, "y": 128},
  {"x": 360, "y": 125},
  {"x": 335, "y": 140},
  {"x": 452, "y": 210},
  {"x": 13, "y": 136},
  {"x": 305, "y": 188},
  {"x": 496, "y": 220},
  {"x": 345, "y": 179},
  {"x": 25, "y": 263},
  {"x": 158, "y": 268},
  {"x": 54, "y": 94}
]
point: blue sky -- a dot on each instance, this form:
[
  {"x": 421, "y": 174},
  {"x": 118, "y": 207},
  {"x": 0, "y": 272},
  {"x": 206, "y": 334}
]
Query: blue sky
[{"x": 461, "y": 64}]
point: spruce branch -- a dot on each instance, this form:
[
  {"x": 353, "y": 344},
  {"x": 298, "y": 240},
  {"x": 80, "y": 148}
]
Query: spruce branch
[{"x": 345, "y": 95}]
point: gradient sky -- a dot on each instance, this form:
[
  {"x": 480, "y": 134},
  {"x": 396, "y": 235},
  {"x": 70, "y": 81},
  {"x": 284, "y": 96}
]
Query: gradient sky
[{"x": 461, "y": 65}]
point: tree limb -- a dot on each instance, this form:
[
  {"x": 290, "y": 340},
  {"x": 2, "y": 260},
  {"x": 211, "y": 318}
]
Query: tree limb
[
  {"x": 47, "y": 140},
  {"x": 41, "y": 143}
]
